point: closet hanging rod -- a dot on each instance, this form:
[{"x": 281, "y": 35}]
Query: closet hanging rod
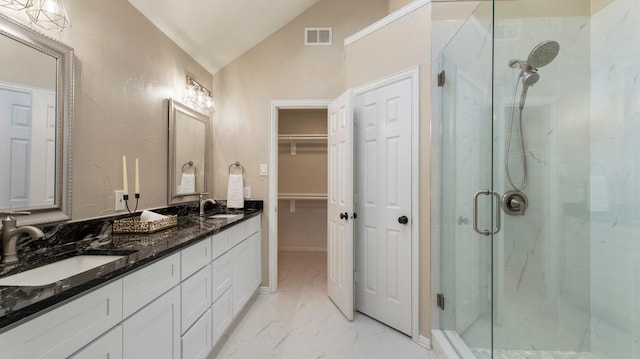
[{"x": 307, "y": 196}]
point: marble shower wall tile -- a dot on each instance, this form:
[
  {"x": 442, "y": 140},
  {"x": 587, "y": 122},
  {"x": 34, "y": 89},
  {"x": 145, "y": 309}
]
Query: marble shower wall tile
[{"x": 615, "y": 136}]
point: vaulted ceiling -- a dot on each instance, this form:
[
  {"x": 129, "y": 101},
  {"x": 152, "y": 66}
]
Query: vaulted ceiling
[{"x": 215, "y": 32}]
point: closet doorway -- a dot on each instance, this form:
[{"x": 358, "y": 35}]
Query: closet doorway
[
  {"x": 298, "y": 218},
  {"x": 302, "y": 180}
]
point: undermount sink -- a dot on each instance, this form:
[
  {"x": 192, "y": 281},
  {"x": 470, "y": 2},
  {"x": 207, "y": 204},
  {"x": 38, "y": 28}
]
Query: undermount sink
[
  {"x": 56, "y": 271},
  {"x": 226, "y": 216}
]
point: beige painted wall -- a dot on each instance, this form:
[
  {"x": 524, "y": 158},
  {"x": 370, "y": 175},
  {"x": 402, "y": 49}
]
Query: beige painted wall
[
  {"x": 125, "y": 70},
  {"x": 398, "y": 46},
  {"x": 397, "y": 4},
  {"x": 26, "y": 66},
  {"x": 280, "y": 67}
]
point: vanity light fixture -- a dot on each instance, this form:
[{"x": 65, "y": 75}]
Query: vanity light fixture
[
  {"x": 49, "y": 14},
  {"x": 16, "y": 4},
  {"x": 198, "y": 96}
]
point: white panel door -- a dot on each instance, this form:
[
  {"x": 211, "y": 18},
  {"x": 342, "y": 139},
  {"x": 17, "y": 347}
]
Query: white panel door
[
  {"x": 15, "y": 149},
  {"x": 340, "y": 204},
  {"x": 383, "y": 120},
  {"x": 43, "y": 147}
]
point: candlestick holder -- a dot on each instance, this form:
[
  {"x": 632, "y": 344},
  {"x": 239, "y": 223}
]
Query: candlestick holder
[{"x": 126, "y": 202}]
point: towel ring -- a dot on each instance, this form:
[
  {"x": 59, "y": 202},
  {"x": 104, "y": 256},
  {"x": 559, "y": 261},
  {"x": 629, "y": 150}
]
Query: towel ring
[
  {"x": 238, "y": 165},
  {"x": 190, "y": 164}
]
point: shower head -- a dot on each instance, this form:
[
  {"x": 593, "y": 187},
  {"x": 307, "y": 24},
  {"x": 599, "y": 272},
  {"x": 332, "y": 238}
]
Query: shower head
[
  {"x": 543, "y": 54},
  {"x": 529, "y": 78}
]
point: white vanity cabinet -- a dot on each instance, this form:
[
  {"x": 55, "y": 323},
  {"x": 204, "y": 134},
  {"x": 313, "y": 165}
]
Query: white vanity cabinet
[
  {"x": 108, "y": 346},
  {"x": 154, "y": 331},
  {"x": 148, "y": 283},
  {"x": 197, "y": 341},
  {"x": 63, "y": 331},
  {"x": 176, "y": 307},
  {"x": 247, "y": 271}
]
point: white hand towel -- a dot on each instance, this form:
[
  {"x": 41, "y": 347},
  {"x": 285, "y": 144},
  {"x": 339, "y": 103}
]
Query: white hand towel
[
  {"x": 188, "y": 183},
  {"x": 235, "y": 191},
  {"x": 147, "y": 216}
]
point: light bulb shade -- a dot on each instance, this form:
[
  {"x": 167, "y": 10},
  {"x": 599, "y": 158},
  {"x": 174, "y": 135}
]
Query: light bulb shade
[
  {"x": 49, "y": 14},
  {"x": 197, "y": 96},
  {"x": 16, "y": 4}
]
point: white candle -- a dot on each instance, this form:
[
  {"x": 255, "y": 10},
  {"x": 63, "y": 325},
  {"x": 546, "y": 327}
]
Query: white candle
[
  {"x": 124, "y": 176},
  {"x": 137, "y": 177}
]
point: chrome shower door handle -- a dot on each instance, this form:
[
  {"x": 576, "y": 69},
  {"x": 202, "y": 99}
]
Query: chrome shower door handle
[{"x": 486, "y": 232}]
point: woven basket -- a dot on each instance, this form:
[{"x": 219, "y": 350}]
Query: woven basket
[{"x": 134, "y": 225}]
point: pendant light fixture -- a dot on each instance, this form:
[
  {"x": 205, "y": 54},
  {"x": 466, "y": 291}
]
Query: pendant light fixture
[
  {"x": 49, "y": 14},
  {"x": 16, "y": 4}
]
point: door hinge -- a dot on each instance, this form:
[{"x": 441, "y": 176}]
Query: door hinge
[
  {"x": 440, "y": 300},
  {"x": 441, "y": 78}
]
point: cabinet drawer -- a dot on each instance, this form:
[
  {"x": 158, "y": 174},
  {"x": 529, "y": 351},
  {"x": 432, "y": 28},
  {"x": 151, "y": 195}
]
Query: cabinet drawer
[
  {"x": 195, "y": 257},
  {"x": 150, "y": 282},
  {"x": 220, "y": 243},
  {"x": 222, "y": 312},
  {"x": 196, "y": 297},
  {"x": 107, "y": 346},
  {"x": 154, "y": 331},
  {"x": 196, "y": 342},
  {"x": 222, "y": 275},
  {"x": 244, "y": 230},
  {"x": 64, "y": 330}
]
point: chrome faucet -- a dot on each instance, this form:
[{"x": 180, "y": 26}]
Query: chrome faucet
[
  {"x": 203, "y": 202},
  {"x": 10, "y": 234}
]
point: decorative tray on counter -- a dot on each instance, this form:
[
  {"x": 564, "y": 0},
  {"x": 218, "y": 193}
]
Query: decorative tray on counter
[{"x": 135, "y": 225}]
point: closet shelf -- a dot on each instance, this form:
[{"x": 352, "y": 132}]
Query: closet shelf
[
  {"x": 294, "y": 139},
  {"x": 302, "y": 138},
  {"x": 307, "y": 196}
]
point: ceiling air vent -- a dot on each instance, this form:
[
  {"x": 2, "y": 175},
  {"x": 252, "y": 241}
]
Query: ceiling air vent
[{"x": 318, "y": 36}]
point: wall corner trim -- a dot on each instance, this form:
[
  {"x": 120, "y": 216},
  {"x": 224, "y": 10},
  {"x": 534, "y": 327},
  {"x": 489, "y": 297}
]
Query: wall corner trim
[{"x": 394, "y": 16}]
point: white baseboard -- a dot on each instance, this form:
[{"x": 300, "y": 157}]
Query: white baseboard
[
  {"x": 424, "y": 342},
  {"x": 302, "y": 249},
  {"x": 264, "y": 290},
  {"x": 442, "y": 347}
]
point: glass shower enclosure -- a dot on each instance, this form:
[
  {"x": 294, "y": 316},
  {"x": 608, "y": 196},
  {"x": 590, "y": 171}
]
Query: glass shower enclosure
[{"x": 540, "y": 201}]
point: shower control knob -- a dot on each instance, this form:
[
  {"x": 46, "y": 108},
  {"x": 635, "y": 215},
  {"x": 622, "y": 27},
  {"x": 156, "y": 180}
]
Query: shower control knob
[
  {"x": 403, "y": 220},
  {"x": 515, "y": 203}
]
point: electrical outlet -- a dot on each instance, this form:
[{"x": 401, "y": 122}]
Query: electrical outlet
[
  {"x": 119, "y": 206},
  {"x": 247, "y": 192}
]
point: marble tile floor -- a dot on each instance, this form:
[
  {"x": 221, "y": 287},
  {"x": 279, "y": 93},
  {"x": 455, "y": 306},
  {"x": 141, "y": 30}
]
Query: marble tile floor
[{"x": 300, "y": 322}]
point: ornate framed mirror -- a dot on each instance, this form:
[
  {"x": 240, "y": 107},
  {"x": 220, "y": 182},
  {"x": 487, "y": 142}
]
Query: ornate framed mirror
[
  {"x": 188, "y": 157},
  {"x": 36, "y": 116}
]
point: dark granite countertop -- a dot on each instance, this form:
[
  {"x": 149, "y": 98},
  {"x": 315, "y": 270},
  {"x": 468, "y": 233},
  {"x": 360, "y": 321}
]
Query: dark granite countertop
[{"x": 20, "y": 303}]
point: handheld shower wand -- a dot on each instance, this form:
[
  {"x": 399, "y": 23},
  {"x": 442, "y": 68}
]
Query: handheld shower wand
[{"x": 541, "y": 55}]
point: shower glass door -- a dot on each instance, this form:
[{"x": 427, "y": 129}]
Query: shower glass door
[
  {"x": 466, "y": 170},
  {"x": 542, "y": 97},
  {"x": 542, "y": 81}
]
